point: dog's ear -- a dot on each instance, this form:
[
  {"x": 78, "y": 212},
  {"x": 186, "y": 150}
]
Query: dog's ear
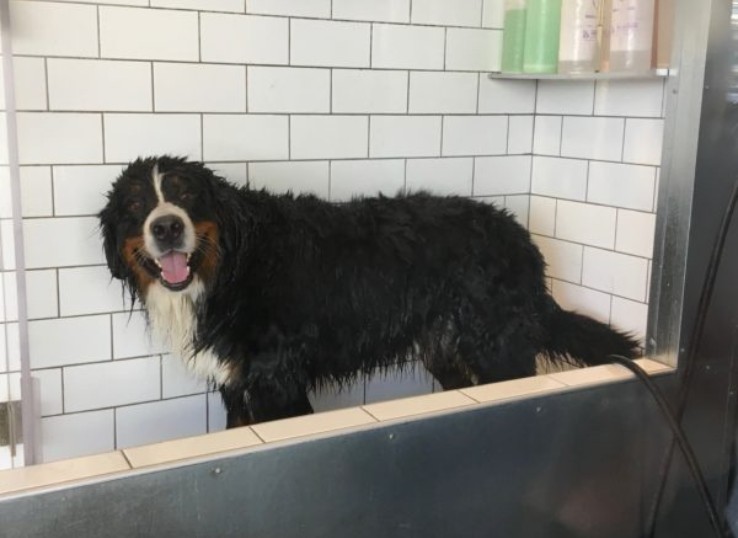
[{"x": 114, "y": 259}]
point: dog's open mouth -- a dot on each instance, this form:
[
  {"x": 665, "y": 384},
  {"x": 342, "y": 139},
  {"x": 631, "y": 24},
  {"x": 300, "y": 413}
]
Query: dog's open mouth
[{"x": 173, "y": 269}]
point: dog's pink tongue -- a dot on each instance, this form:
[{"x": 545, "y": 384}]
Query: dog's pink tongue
[{"x": 174, "y": 267}]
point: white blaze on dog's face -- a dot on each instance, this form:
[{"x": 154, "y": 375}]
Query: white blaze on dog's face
[{"x": 169, "y": 238}]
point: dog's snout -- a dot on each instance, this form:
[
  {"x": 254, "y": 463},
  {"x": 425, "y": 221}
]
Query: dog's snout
[{"x": 167, "y": 229}]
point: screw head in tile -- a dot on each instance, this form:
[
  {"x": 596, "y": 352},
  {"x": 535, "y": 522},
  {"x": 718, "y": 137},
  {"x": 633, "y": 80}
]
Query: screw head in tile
[{"x": 217, "y": 471}]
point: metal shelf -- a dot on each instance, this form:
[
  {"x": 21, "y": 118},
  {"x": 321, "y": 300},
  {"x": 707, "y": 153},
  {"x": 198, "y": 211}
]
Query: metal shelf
[{"x": 655, "y": 73}]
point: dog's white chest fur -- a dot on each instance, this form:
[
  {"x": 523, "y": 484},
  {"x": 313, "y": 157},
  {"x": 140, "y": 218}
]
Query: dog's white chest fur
[{"x": 173, "y": 320}]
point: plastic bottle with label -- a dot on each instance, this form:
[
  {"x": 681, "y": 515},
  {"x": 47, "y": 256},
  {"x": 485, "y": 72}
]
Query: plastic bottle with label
[
  {"x": 581, "y": 35},
  {"x": 513, "y": 37},
  {"x": 631, "y": 35},
  {"x": 542, "y": 25}
]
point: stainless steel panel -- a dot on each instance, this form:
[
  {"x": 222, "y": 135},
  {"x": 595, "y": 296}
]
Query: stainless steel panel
[
  {"x": 565, "y": 466},
  {"x": 711, "y": 403},
  {"x": 676, "y": 183}
]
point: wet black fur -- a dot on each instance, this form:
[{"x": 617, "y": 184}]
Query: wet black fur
[{"x": 309, "y": 292}]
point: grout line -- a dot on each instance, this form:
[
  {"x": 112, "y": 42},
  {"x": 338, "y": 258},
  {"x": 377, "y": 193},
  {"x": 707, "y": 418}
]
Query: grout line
[
  {"x": 102, "y": 134},
  {"x": 97, "y": 22},
  {"x": 408, "y": 81},
  {"x": 615, "y": 238},
  {"x": 269, "y": 64},
  {"x": 199, "y": 36},
  {"x": 125, "y": 456},
  {"x": 185, "y": 112},
  {"x": 46, "y": 81},
  {"x": 284, "y": 16},
  {"x": 330, "y": 91},
  {"x": 53, "y": 191},
  {"x": 445, "y": 46},
  {"x": 256, "y": 433},
  {"x": 112, "y": 337},
  {"x": 561, "y": 136},
  {"x": 289, "y": 40},
  {"x": 371, "y": 45},
  {"x": 479, "y": 86}
]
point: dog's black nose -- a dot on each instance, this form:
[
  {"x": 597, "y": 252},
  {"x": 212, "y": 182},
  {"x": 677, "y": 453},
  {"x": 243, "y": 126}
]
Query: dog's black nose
[{"x": 167, "y": 229}]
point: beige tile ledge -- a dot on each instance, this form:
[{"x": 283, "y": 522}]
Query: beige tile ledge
[
  {"x": 418, "y": 405},
  {"x": 188, "y": 450},
  {"x": 514, "y": 389},
  {"x": 290, "y": 428},
  {"x": 596, "y": 375},
  {"x": 192, "y": 447},
  {"x": 60, "y": 472}
]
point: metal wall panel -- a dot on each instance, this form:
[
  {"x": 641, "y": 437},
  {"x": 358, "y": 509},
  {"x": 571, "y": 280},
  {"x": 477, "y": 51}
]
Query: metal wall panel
[{"x": 565, "y": 466}]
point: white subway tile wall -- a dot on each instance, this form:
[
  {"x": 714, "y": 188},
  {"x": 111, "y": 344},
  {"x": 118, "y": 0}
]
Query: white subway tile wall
[{"x": 337, "y": 98}]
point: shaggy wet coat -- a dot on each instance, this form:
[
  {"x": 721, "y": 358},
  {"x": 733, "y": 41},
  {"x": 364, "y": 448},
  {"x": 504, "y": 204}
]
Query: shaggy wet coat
[{"x": 289, "y": 292}]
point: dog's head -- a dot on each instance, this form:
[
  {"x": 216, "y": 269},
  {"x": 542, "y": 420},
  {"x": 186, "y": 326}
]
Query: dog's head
[{"x": 160, "y": 224}]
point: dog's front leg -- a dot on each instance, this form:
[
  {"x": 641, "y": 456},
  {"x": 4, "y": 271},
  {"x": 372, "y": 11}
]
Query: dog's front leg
[
  {"x": 237, "y": 409},
  {"x": 263, "y": 402},
  {"x": 268, "y": 401}
]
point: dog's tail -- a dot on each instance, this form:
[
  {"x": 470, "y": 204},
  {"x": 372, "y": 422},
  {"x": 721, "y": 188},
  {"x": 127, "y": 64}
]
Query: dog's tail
[{"x": 581, "y": 340}]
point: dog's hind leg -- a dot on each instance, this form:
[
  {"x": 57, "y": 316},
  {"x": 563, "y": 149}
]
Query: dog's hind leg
[
  {"x": 494, "y": 346},
  {"x": 449, "y": 374},
  {"x": 502, "y": 359}
]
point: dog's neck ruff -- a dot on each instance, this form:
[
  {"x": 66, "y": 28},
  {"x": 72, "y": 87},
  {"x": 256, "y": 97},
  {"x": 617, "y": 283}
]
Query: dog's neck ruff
[{"x": 173, "y": 320}]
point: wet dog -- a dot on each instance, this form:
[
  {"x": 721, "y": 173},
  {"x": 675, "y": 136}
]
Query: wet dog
[{"x": 268, "y": 296}]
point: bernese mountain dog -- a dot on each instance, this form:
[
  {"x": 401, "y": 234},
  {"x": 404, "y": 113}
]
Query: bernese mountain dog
[{"x": 268, "y": 296}]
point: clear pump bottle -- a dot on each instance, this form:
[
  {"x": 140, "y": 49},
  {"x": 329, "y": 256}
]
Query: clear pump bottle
[
  {"x": 631, "y": 35},
  {"x": 581, "y": 35}
]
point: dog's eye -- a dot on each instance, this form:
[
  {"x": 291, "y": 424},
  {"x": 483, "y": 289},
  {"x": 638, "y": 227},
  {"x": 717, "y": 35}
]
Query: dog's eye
[
  {"x": 134, "y": 206},
  {"x": 186, "y": 197}
]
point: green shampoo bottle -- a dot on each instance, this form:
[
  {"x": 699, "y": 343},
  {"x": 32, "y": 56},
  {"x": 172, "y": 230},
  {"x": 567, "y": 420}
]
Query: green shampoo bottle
[
  {"x": 542, "y": 27},
  {"x": 513, "y": 37}
]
